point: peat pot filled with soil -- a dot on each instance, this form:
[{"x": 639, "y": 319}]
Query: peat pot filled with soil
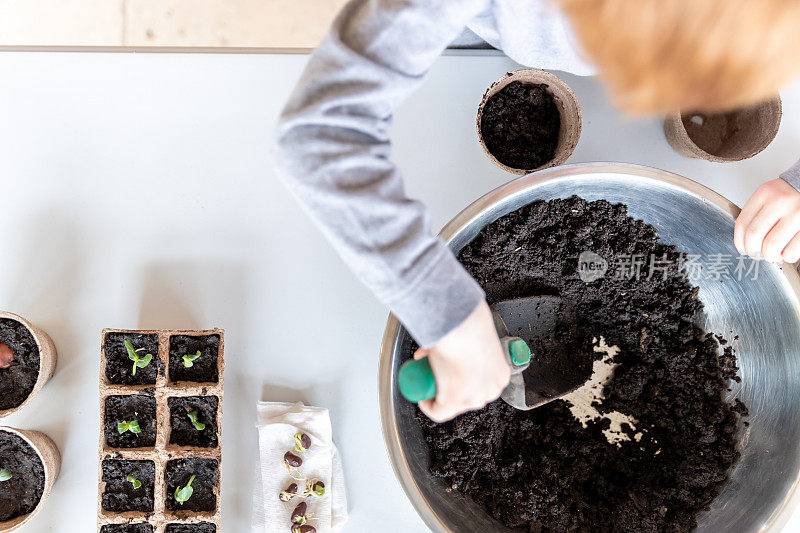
[
  {"x": 192, "y": 485},
  {"x": 528, "y": 120},
  {"x": 127, "y": 528},
  {"x": 694, "y": 422},
  {"x": 200, "y": 527},
  {"x": 27, "y": 361},
  {"x": 128, "y": 485},
  {"x": 29, "y": 465},
  {"x": 193, "y": 421}
]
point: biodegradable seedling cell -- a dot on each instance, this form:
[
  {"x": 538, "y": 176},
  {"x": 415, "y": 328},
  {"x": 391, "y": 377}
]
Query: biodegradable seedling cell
[
  {"x": 202, "y": 527},
  {"x": 130, "y": 421},
  {"x": 129, "y": 485},
  {"x": 194, "y": 358},
  {"x": 127, "y": 528},
  {"x": 202, "y": 475},
  {"x": 173, "y": 442},
  {"x": 193, "y": 421},
  {"x": 120, "y": 367}
]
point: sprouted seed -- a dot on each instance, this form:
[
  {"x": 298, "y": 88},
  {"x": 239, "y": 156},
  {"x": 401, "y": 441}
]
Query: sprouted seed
[
  {"x": 5, "y": 475},
  {"x": 193, "y": 414},
  {"x": 182, "y": 494},
  {"x": 133, "y": 355},
  {"x": 132, "y": 426},
  {"x": 188, "y": 360},
  {"x": 133, "y": 481}
]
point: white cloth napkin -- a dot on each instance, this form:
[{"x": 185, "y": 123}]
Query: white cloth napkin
[{"x": 277, "y": 424}]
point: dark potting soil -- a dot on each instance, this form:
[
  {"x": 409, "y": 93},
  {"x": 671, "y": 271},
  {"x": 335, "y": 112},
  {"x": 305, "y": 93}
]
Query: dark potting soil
[
  {"x": 204, "y": 369},
  {"x": 20, "y": 494},
  {"x": 119, "y": 366},
  {"x": 202, "y": 527},
  {"x": 17, "y": 381},
  {"x": 520, "y": 125},
  {"x": 183, "y": 431},
  {"x": 119, "y": 495},
  {"x": 206, "y": 472},
  {"x": 127, "y": 528},
  {"x": 540, "y": 470},
  {"x": 141, "y": 407}
]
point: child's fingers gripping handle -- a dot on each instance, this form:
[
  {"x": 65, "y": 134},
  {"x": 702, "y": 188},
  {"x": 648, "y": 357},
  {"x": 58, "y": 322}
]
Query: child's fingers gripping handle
[{"x": 415, "y": 380}]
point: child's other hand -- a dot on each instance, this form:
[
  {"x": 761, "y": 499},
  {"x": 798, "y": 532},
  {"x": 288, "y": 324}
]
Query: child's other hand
[
  {"x": 769, "y": 224},
  {"x": 469, "y": 367}
]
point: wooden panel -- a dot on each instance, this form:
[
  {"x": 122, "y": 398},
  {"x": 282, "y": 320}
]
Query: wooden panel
[
  {"x": 287, "y": 24},
  {"x": 231, "y": 23},
  {"x": 61, "y": 22}
]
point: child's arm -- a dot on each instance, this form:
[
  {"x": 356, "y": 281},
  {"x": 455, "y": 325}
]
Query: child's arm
[
  {"x": 333, "y": 150},
  {"x": 769, "y": 224}
]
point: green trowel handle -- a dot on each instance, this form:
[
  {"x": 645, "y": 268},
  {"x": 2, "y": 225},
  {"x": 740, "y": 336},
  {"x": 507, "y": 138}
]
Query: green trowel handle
[{"x": 415, "y": 377}]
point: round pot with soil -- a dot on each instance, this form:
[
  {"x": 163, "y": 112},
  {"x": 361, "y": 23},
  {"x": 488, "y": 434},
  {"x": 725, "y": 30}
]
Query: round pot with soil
[
  {"x": 726, "y": 136},
  {"x": 29, "y": 465},
  {"x": 528, "y": 120},
  {"x": 27, "y": 361}
]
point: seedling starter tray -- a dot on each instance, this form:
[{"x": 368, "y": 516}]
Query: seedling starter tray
[{"x": 160, "y": 518}]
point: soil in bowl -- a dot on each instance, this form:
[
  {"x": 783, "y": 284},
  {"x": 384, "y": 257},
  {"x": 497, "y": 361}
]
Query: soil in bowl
[
  {"x": 206, "y": 475},
  {"x": 185, "y": 365},
  {"x": 20, "y": 494},
  {"x": 127, "y": 528},
  {"x": 129, "y": 485},
  {"x": 544, "y": 470},
  {"x": 19, "y": 363},
  {"x": 520, "y": 125},
  {"x": 187, "y": 417},
  {"x": 202, "y": 527},
  {"x": 125, "y": 409},
  {"x": 120, "y": 367}
]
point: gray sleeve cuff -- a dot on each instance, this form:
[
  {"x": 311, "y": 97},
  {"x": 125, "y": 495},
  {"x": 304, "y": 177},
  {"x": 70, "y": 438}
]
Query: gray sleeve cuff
[
  {"x": 792, "y": 176},
  {"x": 441, "y": 298}
]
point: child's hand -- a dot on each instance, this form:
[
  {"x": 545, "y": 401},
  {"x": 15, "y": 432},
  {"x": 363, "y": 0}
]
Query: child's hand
[
  {"x": 469, "y": 367},
  {"x": 769, "y": 223}
]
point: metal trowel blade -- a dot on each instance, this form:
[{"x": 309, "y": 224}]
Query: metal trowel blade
[{"x": 550, "y": 327}]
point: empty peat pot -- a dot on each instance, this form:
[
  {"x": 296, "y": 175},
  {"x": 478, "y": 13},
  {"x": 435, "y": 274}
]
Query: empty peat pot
[
  {"x": 495, "y": 129},
  {"x": 30, "y": 463},
  {"x": 726, "y": 136},
  {"x": 27, "y": 361}
]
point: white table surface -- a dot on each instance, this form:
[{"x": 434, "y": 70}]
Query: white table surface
[{"x": 137, "y": 191}]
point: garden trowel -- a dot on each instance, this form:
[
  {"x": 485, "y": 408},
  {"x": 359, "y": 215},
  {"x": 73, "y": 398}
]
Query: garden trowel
[{"x": 535, "y": 333}]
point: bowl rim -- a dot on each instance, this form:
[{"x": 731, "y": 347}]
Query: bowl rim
[{"x": 480, "y": 208}]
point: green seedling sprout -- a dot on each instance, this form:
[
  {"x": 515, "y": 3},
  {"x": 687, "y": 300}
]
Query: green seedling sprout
[
  {"x": 5, "y": 475},
  {"x": 188, "y": 360},
  {"x": 199, "y": 426},
  {"x": 138, "y": 362},
  {"x": 132, "y": 426},
  {"x": 182, "y": 494},
  {"x": 133, "y": 481}
]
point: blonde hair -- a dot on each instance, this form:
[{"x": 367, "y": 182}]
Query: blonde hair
[{"x": 662, "y": 55}]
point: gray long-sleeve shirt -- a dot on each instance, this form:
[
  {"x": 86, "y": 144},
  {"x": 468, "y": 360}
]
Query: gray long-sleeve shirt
[{"x": 333, "y": 141}]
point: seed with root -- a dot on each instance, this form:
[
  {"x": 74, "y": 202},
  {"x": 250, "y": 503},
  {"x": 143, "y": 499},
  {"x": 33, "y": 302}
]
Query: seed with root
[
  {"x": 292, "y": 460},
  {"x": 288, "y": 493},
  {"x": 302, "y": 442},
  {"x": 6, "y": 355},
  {"x": 316, "y": 488},
  {"x": 299, "y": 514},
  {"x": 305, "y": 528}
]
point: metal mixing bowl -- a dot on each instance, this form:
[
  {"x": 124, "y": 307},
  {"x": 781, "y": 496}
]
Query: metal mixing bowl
[{"x": 765, "y": 313}]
